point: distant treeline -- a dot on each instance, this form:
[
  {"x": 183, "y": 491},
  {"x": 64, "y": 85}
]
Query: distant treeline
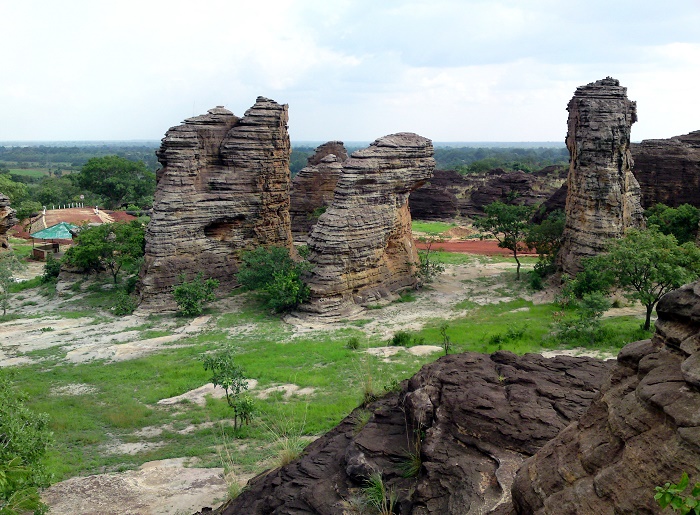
[{"x": 74, "y": 157}]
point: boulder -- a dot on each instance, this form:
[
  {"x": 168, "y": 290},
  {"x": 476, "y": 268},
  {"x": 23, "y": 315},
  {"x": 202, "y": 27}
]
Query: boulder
[
  {"x": 603, "y": 198},
  {"x": 313, "y": 187},
  {"x": 471, "y": 418},
  {"x": 7, "y": 220},
  {"x": 642, "y": 431},
  {"x": 668, "y": 170},
  {"x": 362, "y": 248},
  {"x": 223, "y": 188}
]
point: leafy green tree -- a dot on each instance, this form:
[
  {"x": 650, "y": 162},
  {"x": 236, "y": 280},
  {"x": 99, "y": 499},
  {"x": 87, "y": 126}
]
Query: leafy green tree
[
  {"x": 546, "y": 239},
  {"x": 119, "y": 181},
  {"x": 191, "y": 296},
  {"x": 272, "y": 272},
  {"x": 112, "y": 247},
  {"x": 509, "y": 224},
  {"x": 229, "y": 376},
  {"x": 9, "y": 265},
  {"x": 62, "y": 190},
  {"x": 681, "y": 221},
  {"x": 24, "y": 438},
  {"x": 15, "y": 191},
  {"x": 647, "y": 264}
]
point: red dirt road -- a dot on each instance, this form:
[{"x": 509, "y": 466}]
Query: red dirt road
[{"x": 481, "y": 247}]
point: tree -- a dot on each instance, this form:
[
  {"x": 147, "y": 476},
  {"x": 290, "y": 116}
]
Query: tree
[
  {"x": 272, "y": 272},
  {"x": 647, "y": 264},
  {"x": 24, "y": 438},
  {"x": 119, "y": 181},
  {"x": 15, "y": 191},
  {"x": 509, "y": 225},
  {"x": 110, "y": 246},
  {"x": 229, "y": 376},
  {"x": 682, "y": 221},
  {"x": 191, "y": 296},
  {"x": 546, "y": 239},
  {"x": 9, "y": 264}
]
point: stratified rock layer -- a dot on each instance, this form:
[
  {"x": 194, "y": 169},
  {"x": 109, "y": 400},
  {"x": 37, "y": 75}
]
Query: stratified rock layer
[
  {"x": 313, "y": 187},
  {"x": 7, "y": 220},
  {"x": 668, "y": 170},
  {"x": 643, "y": 430},
  {"x": 479, "y": 418},
  {"x": 603, "y": 197},
  {"x": 223, "y": 188},
  {"x": 362, "y": 248}
]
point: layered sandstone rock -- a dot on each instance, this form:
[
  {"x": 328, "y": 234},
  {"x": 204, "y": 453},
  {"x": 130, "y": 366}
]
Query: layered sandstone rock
[
  {"x": 668, "y": 170},
  {"x": 7, "y": 220},
  {"x": 223, "y": 188},
  {"x": 643, "y": 430},
  {"x": 313, "y": 187},
  {"x": 449, "y": 195},
  {"x": 362, "y": 248},
  {"x": 603, "y": 197},
  {"x": 474, "y": 419}
]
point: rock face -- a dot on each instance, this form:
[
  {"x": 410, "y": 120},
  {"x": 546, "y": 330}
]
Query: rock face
[
  {"x": 603, "y": 196},
  {"x": 223, "y": 188},
  {"x": 362, "y": 248},
  {"x": 7, "y": 220},
  {"x": 478, "y": 416},
  {"x": 668, "y": 170},
  {"x": 450, "y": 195},
  {"x": 642, "y": 431},
  {"x": 313, "y": 187}
]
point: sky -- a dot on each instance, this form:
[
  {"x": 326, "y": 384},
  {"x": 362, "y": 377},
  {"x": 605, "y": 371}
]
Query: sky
[{"x": 353, "y": 70}]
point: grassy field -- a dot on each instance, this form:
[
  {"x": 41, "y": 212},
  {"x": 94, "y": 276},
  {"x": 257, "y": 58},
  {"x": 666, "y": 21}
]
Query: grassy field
[
  {"x": 111, "y": 420},
  {"x": 431, "y": 228}
]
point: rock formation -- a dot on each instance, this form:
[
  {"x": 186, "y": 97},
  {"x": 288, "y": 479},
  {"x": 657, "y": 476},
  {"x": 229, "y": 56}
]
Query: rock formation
[
  {"x": 479, "y": 417},
  {"x": 7, "y": 220},
  {"x": 450, "y": 196},
  {"x": 361, "y": 247},
  {"x": 313, "y": 187},
  {"x": 223, "y": 188},
  {"x": 642, "y": 431},
  {"x": 603, "y": 197},
  {"x": 668, "y": 170}
]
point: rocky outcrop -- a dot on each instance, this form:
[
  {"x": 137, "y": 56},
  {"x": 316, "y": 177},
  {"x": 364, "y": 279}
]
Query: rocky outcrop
[
  {"x": 473, "y": 418},
  {"x": 642, "y": 431},
  {"x": 313, "y": 187},
  {"x": 668, "y": 170},
  {"x": 451, "y": 196},
  {"x": 603, "y": 198},
  {"x": 223, "y": 188},
  {"x": 7, "y": 220},
  {"x": 361, "y": 248}
]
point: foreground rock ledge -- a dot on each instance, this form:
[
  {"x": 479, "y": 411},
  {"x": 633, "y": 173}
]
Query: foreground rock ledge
[{"x": 479, "y": 417}]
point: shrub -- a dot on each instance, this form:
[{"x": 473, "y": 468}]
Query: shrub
[
  {"x": 402, "y": 339},
  {"x": 671, "y": 495},
  {"x": 125, "y": 304},
  {"x": 353, "y": 343},
  {"x": 276, "y": 276},
  {"x": 191, "y": 296},
  {"x": 229, "y": 376},
  {"x": 51, "y": 270}
]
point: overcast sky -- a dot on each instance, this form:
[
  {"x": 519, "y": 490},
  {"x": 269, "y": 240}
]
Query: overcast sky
[{"x": 355, "y": 70}]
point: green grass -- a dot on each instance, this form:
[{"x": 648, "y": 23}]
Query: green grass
[
  {"x": 29, "y": 172},
  {"x": 431, "y": 228}
]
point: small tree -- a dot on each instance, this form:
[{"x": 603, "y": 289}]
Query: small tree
[
  {"x": 9, "y": 265},
  {"x": 681, "y": 221},
  {"x": 229, "y": 376},
  {"x": 191, "y": 296},
  {"x": 429, "y": 267},
  {"x": 446, "y": 342},
  {"x": 647, "y": 264},
  {"x": 509, "y": 225},
  {"x": 272, "y": 272}
]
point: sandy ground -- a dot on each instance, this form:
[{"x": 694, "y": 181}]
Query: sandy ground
[{"x": 176, "y": 486}]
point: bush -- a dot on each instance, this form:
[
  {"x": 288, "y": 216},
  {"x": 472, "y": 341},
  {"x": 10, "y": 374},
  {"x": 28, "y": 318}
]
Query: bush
[
  {"x": 125, "y": 304},
  {"x": 353, "y": 343},
  {"x": 51, "y": 270},
  {"x": 191, "y": 296},
  {"x": 276, "y": 276},
  {"x": 229, "y": 376},
  {"x": 406, "y": 339}
]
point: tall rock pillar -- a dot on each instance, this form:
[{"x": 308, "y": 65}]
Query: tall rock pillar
[
  {"x": 603, "y": 196},
  {"x": 223, "y": 188}
]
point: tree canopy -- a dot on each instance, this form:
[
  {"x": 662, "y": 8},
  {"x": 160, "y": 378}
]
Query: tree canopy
[
  {"x": 681, "y": 221},
  {"x": 119, "y": 181}
]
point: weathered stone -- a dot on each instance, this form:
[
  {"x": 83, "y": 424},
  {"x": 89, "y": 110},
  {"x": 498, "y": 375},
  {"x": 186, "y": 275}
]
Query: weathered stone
[
  {"x": 313, "y": 187},
  {"x": 668, "y": 170},
  {"x": 7, "y": 220},
  {"x": 603, "y": 197},
  {"x": 223, "y": 188},
  {"x": 361, "y": 248},
  {"x": 642, "y": 431},
  {"x": 479, "y": 417}
]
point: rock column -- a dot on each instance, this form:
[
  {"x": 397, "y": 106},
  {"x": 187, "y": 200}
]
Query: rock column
[
  {"x": 7, "y": 220},
  {"x": 603, "y": 197}
]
